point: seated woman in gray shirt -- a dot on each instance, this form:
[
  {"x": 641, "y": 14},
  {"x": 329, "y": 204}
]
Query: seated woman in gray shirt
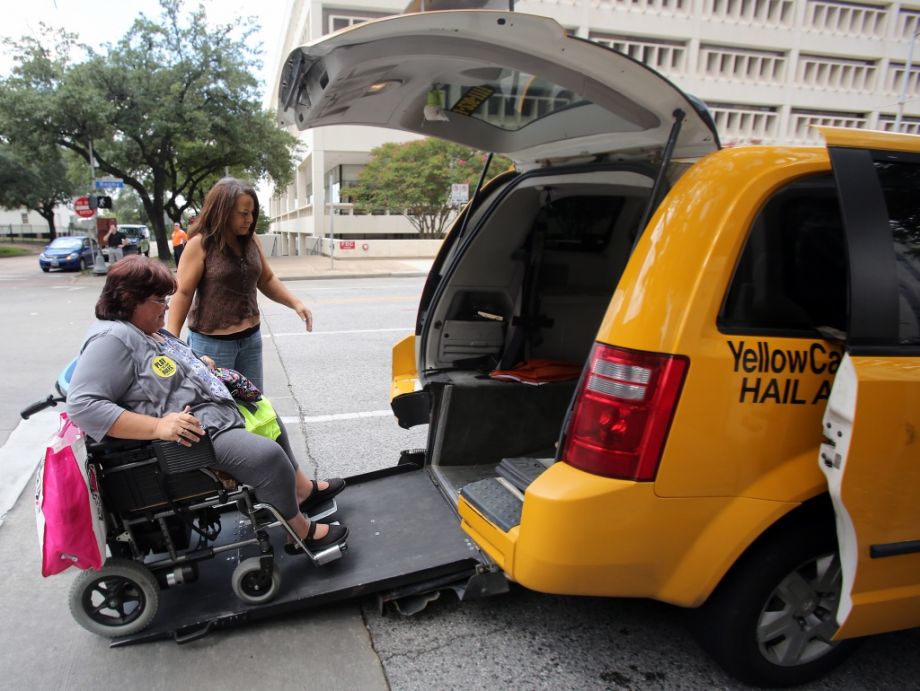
[{"x": 134, "y": 380}]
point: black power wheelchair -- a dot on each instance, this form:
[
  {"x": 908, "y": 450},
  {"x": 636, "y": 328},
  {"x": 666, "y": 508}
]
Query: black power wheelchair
[{"x": 164, "y": 512}]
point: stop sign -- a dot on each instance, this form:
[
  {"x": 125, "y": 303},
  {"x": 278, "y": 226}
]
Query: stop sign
[{"x": 81, "y": 207}]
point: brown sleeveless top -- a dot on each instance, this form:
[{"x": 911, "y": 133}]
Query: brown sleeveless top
[{"x": 226, "y": 293}]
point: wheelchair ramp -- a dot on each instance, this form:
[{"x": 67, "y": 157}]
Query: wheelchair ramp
[{"x": 404, "y": 539}]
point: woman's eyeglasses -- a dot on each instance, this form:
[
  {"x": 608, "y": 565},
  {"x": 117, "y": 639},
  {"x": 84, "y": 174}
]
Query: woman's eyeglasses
[{"x": 161, "y": 301}]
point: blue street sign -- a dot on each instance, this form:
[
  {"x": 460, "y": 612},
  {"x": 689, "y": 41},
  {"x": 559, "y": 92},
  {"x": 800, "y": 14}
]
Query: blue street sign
[{"x": 109, "y": 184}]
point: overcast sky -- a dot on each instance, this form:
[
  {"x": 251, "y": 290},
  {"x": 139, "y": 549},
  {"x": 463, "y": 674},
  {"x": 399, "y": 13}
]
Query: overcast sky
[{"x": 101, "y": 22}]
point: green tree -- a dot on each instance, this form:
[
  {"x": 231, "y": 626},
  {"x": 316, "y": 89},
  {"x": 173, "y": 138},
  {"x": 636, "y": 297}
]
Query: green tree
[
  {"x": 36, "y": 180},
  {"x": 168, "y": 109},
  {"x": 415, "y": 178},
  {"x": 127, "y": 207}
]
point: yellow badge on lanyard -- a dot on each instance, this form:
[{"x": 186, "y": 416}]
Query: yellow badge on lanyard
[{"x": 163, "y": 366}]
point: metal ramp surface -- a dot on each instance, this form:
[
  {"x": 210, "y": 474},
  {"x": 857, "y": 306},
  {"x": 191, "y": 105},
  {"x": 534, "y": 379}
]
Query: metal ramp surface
[{"x": 402, "y": 531}]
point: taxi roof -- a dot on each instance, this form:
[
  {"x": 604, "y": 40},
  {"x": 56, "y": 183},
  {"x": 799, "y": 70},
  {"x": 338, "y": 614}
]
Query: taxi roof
[{"x": 850, "y": 138}]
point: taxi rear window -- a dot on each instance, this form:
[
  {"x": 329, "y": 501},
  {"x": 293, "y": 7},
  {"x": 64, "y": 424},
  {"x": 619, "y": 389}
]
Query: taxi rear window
[
  {"x": 900, "y": 183},
  {"x": 791, "y": 278},
  {"x": 580, "y": 223}
]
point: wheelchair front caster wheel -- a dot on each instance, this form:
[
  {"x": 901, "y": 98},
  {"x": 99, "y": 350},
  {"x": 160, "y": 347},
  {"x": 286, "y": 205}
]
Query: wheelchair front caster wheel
[
  {"x": 118, "y": 600},
  {"x": 254, "y": 586}
]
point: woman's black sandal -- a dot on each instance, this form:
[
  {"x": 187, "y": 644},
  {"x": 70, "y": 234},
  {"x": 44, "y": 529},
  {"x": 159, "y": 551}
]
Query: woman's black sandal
[
  {"x": 318, "y": 496},
  {"x": 335, "y": 536}
]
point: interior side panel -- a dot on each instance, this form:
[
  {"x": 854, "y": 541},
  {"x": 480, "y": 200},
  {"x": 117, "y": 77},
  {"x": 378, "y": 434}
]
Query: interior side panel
[{"x": 589, "y": 220}]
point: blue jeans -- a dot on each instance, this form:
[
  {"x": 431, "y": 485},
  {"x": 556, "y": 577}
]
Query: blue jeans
[{"x": 244, "y": 354}]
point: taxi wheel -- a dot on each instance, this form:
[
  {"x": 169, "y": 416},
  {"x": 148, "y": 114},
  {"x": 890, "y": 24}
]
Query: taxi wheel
[
  {"x": 118, "y": 600},
  {"x": 771, "y": 622}
]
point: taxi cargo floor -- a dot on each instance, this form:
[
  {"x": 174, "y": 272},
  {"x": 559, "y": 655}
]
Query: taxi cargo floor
[{"x": 401, "y": 531}]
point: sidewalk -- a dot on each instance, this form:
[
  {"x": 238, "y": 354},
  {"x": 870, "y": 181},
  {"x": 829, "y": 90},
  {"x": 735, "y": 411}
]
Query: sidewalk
[{"x": 315, "y": 266}]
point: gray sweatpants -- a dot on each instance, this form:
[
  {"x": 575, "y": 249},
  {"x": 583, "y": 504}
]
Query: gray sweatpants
[{"x": 265, "y": 465}]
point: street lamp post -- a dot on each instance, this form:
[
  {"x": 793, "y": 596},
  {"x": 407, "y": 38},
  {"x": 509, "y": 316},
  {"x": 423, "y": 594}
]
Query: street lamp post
[
  {"x": 99, "y": 267},
  {"x": 905, "y": 81}
]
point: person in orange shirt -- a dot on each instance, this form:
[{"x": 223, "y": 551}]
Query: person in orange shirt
[{"x": 179, "y": 238}]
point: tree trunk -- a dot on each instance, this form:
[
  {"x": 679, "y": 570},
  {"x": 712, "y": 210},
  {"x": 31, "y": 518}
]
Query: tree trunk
[{"x": 47, "y": 212}]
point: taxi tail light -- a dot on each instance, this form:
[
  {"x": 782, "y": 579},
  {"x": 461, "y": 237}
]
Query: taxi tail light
[{"x": 623, "y": 411}]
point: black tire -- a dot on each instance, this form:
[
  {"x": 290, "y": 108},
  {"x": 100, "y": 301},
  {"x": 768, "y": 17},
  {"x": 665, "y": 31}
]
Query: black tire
[
  {"x": 118, "y": 600},
  {"x": 252, "y": 586},
  {"x": 770, "y": 622},
  {"x": 83, "y": 265}
]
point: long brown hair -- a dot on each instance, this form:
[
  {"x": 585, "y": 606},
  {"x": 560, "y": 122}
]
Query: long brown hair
[
  {"x": 214, "y": 219},
  {"x": 131, "y": 281}
]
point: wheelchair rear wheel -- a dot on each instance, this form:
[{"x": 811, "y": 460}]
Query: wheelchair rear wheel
[
  {"x": 118, "y": 600},
  {"x": 254, "y": 586}
]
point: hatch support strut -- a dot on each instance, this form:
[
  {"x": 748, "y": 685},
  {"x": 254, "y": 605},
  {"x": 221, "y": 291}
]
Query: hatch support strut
[
  {"x": 653, "y": 200},
  {"x": 469, "y": 210}
]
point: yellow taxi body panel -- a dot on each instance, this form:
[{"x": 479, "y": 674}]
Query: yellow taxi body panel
[
  {"x": 769, "y": 392},
  {"x": 883, "y": 459},
  {"x": 758, "y": 399},
  {"x": 742, "y": 448},
  {"x": 403, "y": 367},
  {"x": 627, "y": 540},
  {"x": 678, "y": 274}
]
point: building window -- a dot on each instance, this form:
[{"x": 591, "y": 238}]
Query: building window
[
  {"x": 908, "y": 24},
  {"x": 744, "y": 124},
  {"x": 908, "y": 125},
  {"x": 336, "y": 19},
  {"x": 722, "y": 62},
  {"x": 837, "y": 74},
  {"x": 847, "y": 18},
  {"x": 894, "y": 79},
  {"x": 646, "y": 6},
  {"x": 802, "y": 124},
  {"x": 752, "y": 12},
  {"x": 665, "y": 56}
]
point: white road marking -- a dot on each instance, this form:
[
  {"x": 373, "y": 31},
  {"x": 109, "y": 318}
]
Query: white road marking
[
  {"x": 336, "y": 333},
  {"x": 291, "y": 420},
  {"x": 21, "y": 454}
]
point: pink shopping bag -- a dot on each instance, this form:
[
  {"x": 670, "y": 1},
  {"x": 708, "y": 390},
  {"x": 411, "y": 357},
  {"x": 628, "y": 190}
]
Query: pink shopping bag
[{"x": 68, "y": 510}]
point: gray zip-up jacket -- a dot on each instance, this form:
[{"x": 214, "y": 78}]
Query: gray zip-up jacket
[{"x": 120, "y": 369}]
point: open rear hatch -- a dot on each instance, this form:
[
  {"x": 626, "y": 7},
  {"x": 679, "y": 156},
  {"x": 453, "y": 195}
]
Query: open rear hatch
[
  {"x": 503, "y": 82},
  {"x": 404, "y": 544}
]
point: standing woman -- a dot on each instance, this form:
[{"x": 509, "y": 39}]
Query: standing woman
[{"x": 222, "y": 266}]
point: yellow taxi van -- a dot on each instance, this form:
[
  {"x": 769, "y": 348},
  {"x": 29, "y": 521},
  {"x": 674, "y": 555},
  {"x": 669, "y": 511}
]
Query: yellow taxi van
[{"x": 627, "y": 346}]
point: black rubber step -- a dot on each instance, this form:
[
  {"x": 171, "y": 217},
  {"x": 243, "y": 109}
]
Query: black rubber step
[
  {"x": 494, "y": 501},
  {"x": 523, "y": 470}
]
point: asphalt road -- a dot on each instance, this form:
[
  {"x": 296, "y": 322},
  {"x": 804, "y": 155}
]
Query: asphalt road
[{"x": 336, "y": 381}]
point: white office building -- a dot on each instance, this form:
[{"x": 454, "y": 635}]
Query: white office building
[{"x": 768, "y": 70}]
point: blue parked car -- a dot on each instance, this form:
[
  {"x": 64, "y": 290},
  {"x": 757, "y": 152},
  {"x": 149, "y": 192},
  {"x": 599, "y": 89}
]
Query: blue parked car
[{"x": 73, "y": 252}]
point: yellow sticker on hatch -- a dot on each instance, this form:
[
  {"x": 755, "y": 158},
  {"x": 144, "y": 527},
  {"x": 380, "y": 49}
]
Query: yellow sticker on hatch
[
  {"x": 473, "y": 98},
  {"x": 163, "y": 366}
]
